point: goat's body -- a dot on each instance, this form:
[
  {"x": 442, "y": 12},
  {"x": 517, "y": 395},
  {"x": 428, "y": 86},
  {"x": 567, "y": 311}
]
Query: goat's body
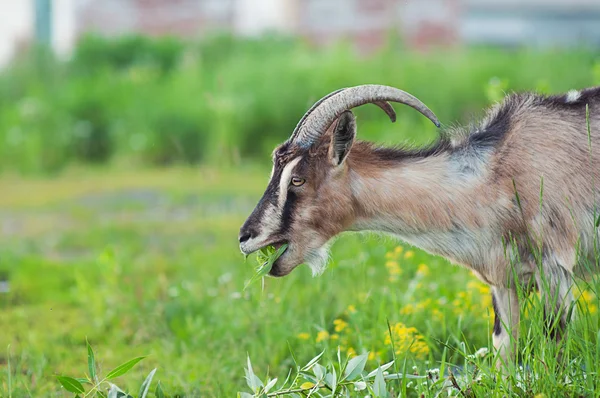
[
  {"x": 526, "y": 175},
  {"x": 515, "y": 199}
]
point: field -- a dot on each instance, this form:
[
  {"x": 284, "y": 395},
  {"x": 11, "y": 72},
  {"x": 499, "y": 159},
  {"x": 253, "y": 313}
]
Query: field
[
  {"x": 147, "y": 263},
  {"x": 125, "y": 180}
]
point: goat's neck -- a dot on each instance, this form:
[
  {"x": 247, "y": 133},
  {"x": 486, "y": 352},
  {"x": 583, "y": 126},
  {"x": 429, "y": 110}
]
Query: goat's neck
[{"x": 413, "y": 196}]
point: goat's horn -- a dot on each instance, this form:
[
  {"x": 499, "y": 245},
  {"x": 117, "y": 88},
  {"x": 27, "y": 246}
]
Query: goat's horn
[
  {"x": 323, "y": 113},
  {"x": 308, "y": 112}
]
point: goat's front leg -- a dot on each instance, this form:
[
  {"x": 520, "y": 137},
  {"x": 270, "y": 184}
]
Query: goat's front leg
[
  {"x": 555, "y": 283},
  {"x": 506, "y": 324}
]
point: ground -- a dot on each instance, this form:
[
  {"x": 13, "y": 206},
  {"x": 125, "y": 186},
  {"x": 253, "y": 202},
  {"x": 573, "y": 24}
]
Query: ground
[{"x": 147, "y": 263}]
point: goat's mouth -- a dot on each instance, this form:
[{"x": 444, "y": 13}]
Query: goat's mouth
[
  {"x": 276, "y": 245},
  {"x": 276, "y": 269}
]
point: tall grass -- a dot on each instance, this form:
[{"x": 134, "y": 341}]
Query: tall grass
[{"x": 162, "y": 101}]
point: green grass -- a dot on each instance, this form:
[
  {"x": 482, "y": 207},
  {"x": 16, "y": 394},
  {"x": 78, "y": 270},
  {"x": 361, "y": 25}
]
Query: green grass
[
  {"x": 146, "y": 263},
  {"x": 156, "y": 102}
]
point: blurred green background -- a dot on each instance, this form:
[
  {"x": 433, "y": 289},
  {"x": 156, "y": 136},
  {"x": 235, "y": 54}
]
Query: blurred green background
[
  {"x": 127, "y": 168},
  {"x": 227, "y": 100}
]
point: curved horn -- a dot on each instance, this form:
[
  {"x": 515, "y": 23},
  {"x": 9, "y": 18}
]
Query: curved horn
[
  {"x": 308, "y": 112},
  {"x": 318, "y": 119},
  {"x": 384, "y": 105}
]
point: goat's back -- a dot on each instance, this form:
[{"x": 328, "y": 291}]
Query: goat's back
[{"x": 547, "y": 154}]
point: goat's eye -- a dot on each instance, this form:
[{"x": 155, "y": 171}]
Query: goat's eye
[{"x": 297, "y": 181}]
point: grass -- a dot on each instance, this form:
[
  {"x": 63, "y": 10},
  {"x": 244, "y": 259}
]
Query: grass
[
  {"x": 157, "y": 102},
  {"x": 147, "y": 264}
]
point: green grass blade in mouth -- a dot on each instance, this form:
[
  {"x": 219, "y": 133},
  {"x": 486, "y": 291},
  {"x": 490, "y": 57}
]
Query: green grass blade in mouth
[{"x": 266, "y": 257}]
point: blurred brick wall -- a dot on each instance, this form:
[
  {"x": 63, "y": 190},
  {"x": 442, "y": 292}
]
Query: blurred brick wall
[
  {"x": 366, "y": 23},
  {"x": 422, "y": 23},
  {"x": 155, "y": 17},
  {"x": 427, "y": 23}
]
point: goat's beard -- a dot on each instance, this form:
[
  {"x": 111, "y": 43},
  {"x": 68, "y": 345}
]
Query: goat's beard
[{"x": 317, "y": 259}]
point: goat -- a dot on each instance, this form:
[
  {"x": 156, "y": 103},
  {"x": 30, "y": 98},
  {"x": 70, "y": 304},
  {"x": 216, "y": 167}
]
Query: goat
[{"x": 473, "y": 196}]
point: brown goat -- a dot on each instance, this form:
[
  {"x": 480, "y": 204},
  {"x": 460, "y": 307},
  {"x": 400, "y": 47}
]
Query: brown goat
[{"x": 514, "y": 199}]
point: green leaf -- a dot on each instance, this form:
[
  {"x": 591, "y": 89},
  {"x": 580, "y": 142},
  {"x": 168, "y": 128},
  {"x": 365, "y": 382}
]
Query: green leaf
[
  {"x": 270, "y": 384},
  {"x": 379, "y": 384},
  {"x": 245, "y": 395},
  {"x": 146, "y": 384},
  {"x": 396, "y": 376},
  {"x": 598, "y": 221},
  {"x": 331, "y": 380},
  {"x": 70, "y": 384},
  {"x": 355, "y": 367},
  {"x": 122, "y": 369},
  {"x": 293, "y": 355},
  {"x": 91, "y": 361},
  {"x": 117, "y": 392},
  {"x": 158, "y": 393},
  {"x": 254, "y": 383},
  {"x": 266, "y": 258},
  {"x": 319, "y": 371},
  {"x": 313, "y": 361},
  {"x": 383, "y": 368}
]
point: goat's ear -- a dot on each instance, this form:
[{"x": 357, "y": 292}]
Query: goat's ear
[{"x": 343, "y": 133}]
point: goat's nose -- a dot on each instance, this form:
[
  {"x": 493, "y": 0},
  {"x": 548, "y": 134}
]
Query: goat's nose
[{"x": 244, "y": 236}]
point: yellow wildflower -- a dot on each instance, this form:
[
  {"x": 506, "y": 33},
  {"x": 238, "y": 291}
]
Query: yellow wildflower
[
  {"x": 588, "y": 299},
  {"x": 476, "y": 299},
  {"x": 335, "y": 336},
  {"x": 409, "y": 254},
  {"x": 322, "y": 335},
  {"x": 427, "y": 305},
  {"x": 479, "y": 287},
  {"x": 303, "y": 336},
  {"x": 351, "y": 309},
  {"x": 398, "y": 250},
  {"x": 351, "y": 352},
  {"x": 371, "y": 356},
  {"x": 407, "y": 339},
  {"x": 340, "y": 325},
  {"x": 408, "y": 309},
  {"x": 393, "y": 269},
  {"x": 437, "y": 314},
  {"x": 423, "y": 270}
]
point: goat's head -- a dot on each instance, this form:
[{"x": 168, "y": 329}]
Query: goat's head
[{"x": 308, "y": 199}]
